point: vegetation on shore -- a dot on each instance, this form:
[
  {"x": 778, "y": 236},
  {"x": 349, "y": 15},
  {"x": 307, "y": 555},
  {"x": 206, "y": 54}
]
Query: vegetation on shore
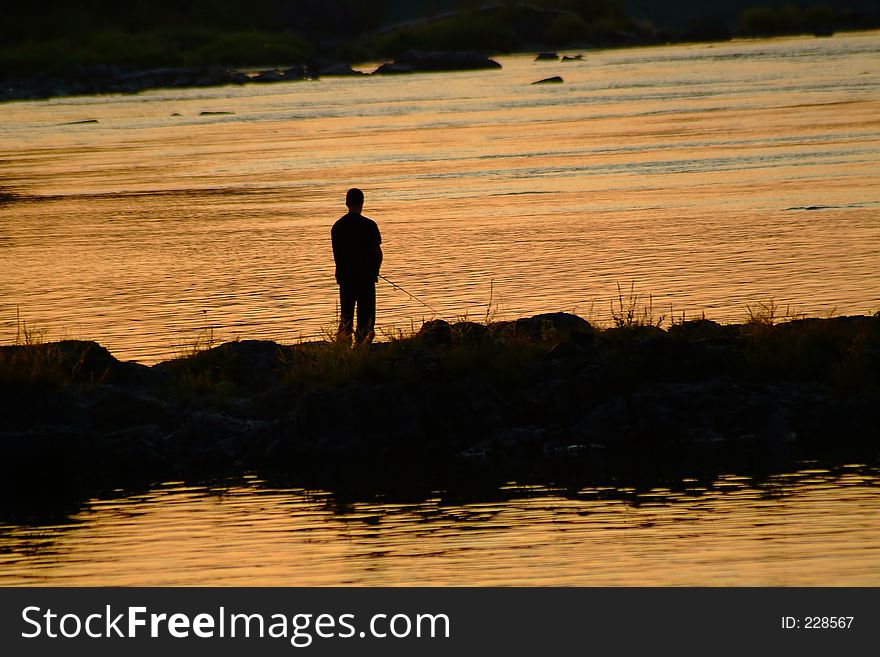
[
  {"x": 769, "y": 344},
  {"x": 57, "y": 38},
  {"x": 545, "y": 392}
]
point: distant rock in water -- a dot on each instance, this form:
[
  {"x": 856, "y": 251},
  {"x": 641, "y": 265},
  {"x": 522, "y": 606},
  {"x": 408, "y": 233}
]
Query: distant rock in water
[
  {"x": 268, "y": 76},
  {"x": 296, "y": 73},
  {"x": 573, "y": 58},
  {"x": 554, "y": 80},
  {"x": 292, "y": 74},
  {"x": 547, "y": 57},
  {"x": 418, "y": 62},
  {"x": 83, "y": 122},
  {"x": 209, "y": 113},
  {"x": 339, "y": 70}
]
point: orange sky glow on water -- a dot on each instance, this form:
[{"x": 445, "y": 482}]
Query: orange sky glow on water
[
  {"x": 710, "y": 177},
  {"x": 794, "y": 530}
]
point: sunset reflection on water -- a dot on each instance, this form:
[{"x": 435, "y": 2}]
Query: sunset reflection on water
[
  {"x": 804, "y": 528},
  {"x": 709, "y": 176}
]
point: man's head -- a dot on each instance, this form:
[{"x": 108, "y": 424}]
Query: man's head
[{"x": 354, "y": 199}]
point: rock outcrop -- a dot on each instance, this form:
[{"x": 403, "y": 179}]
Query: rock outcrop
[
  {"x": 430, "y": 62},
  {"x": 547, "y": 386}
]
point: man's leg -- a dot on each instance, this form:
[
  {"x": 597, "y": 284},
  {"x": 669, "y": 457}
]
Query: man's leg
[
  {"x": 347, "y": 298},
  {"x": 366, "y": 312}
]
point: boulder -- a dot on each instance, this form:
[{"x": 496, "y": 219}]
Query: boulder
[
  {"x": 417, "y": 62},
  {"x": 554, "y": 80},
  {"x": 547, "y": 57},
  {"x": 252, "y": 364},
  {"x": 469, "y": 332},
  {"x": 703, "y": 330},
  {"x": 394, "y": 68},
  {"x": 296, "y": 73},
  {"x": 269, "y": 76},
  {"x": 435, "y": 333},
  {"x": 551, "y": 326},
  {"x": 73, "y": 361},
  {"x": 339, "y": 70}
]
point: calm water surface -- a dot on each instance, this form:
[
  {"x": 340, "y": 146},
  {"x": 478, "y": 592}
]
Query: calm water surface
[
  {"x": 711, "y": 176},
  {"x": 810, "y": 527}
]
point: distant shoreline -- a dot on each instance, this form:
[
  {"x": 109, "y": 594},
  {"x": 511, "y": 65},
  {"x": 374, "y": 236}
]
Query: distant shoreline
[{"x": 112, "y": 79}]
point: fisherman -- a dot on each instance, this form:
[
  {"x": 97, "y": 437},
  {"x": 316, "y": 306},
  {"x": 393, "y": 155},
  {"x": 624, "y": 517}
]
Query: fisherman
[{"x": 358, "y": 254}]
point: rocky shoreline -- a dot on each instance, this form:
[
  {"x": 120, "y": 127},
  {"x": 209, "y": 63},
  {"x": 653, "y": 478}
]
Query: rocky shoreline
[
  {"x": 105, "y": 79},
  {"x": 546, "y": 387}
]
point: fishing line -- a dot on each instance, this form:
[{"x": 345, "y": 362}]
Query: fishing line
[{"x": 409, "y": 294}]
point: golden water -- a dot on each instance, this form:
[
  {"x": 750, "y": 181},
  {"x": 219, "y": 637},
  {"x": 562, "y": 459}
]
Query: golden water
[
  {"x": 812, "y": 527},
  {"x": 684, "y": 170}
]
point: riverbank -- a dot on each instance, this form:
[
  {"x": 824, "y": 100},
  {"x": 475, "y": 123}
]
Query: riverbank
[
  {"x": 94, "y": 79},
  {"x": 545, "y": 387},
  {"x": 53, "y": 49}
]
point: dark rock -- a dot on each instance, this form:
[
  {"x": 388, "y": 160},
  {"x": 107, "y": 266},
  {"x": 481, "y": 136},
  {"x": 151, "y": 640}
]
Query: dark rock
[
  {"x": 296, "y": 73},
  {"x": 639, "y": 333},
  {"x": 113, "y": 408},
  {"x": 214, "y": 438},
  {"x": 135, "y": 450},
  {"x": 75, "y": 361},
  {"x": 518, "y": 442},
  {"x": 83, "y": 122},
  {"x": 573, "y": 58},
  {"x": 551, "y": 326},
  {"x": 548, "y": 386},
  {"x": 339, "y": 70},
  {"x": 268, "y": 76},
  {"x": 435, "y": 333},
  {"x": 394, "y": 68},
  {"x": 417, "y": 62},
  {"x": 469, "y": 332},
  {"x": 212, "y": 113},
  {"x": 252, "y": 364},
  {"x": 703, "y": 330},
  {"x": 546, "y": 57},
  {"x": 554, "y": 80},
  {"x": 565, "y": 351}
]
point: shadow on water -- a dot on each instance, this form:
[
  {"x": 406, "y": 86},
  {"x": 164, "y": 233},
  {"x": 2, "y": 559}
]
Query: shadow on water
[{"x": 341, "y": 485}]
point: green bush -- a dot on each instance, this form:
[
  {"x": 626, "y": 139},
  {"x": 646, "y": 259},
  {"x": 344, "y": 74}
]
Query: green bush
[
  {"x": 172, "y": 47},
  {"x": 567, "y": 29},
  {"x": 788, "y": 19},
  {"x": 252, "y": 49},
  {"x": 759, "y": 20},
  {"x": 469, "y": 31}
]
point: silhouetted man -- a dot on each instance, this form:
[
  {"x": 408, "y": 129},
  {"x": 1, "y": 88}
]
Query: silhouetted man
[{"x": 358, "y": 254}]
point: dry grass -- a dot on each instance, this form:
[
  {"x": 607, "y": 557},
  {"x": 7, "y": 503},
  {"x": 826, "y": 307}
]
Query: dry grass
[
  {"x": 33, "y": 362},
  {"x": 633, "y": 311}
]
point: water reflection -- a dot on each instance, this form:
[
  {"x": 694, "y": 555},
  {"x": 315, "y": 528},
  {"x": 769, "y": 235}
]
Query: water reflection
[{"x": 817, "y": 524}]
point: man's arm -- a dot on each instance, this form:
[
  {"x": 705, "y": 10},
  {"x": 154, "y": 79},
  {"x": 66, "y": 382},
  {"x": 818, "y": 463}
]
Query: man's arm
[{"x": 377, "y": 254}]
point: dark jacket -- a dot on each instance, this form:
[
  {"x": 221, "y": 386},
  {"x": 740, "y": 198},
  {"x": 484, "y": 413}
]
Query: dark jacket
[{"x": 356, "y": 249}]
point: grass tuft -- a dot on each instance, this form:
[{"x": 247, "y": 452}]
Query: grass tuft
[{"x": 632, "y": 311}]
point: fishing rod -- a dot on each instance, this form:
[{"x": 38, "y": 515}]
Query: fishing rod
[{"x": 409, "y": 294}]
